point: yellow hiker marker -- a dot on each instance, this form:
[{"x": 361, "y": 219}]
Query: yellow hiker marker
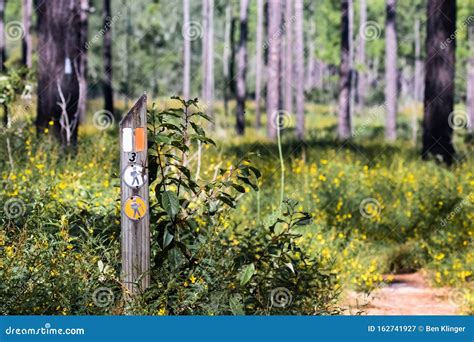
[{"x": 135, "y": 208}]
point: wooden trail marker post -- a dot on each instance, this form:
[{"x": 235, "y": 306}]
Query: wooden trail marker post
[{"x": 135, "y": 217}]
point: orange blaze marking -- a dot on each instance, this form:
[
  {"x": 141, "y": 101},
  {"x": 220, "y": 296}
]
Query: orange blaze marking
[{"x": 139, "y": 139}]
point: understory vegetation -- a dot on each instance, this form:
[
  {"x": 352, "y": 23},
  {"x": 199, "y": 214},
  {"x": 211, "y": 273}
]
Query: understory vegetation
[{"x": 222, "y": 241}]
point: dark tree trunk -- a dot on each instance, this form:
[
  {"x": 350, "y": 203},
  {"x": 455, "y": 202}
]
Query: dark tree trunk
[
  {"x": 242, "y": 68},
  {"x": 226, "y": 56},
  {"x": 470, "y": 83},
  {"x": 299, "y": 66},
  {"x": 3, "y": 54},
  {"x": 59, "y": 46},
  {"x": 345, "y": 75},
  {"x": 391, "y": 77},
  {"x": 26, "y": 46},
  {"x": 258, "y": 66},
  {"x": 439, "y": 80},
  {"x": 82, "y": 102},
  {"x": 107, "y": 84},
  {"x": 273, "y": 82},
  {"x": 361, "y": 75}
]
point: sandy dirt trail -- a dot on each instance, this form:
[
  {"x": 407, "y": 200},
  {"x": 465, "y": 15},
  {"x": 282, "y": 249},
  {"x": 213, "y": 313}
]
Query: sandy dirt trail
[{"x": 407, "y": 294}]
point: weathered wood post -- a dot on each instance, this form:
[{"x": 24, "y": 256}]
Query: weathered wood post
[{"x": 135, "y": 218}]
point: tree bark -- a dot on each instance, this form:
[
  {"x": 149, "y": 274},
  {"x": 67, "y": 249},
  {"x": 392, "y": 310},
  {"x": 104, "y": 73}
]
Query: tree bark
[
  {"x": 391, "y": 71},
  {"x": 242, "y": 68},
  {"x": 59, "y": 49},
  {"x": 288, "y": 57},
  {"x": 273, "y": 67},
  {"x": 83, "y": 22},
  {"x": 3, "y": 54},
  {"x": 26, "y": 47},
  {"x": 208, "y": 56},
  {"x": 418, "y": 92},
  {"x": 470, "y": 83},
  {"x": 226, "y": 55},
  {"x": 439, "y": 80},
  {"x": 186, "y": 52},
  {"x": 361, "y": 75},
  {"x": 107, "y": 85},
  {"x": 345, "y": 75},
  {"x": 259, "y": 62},
  {"x": 299, "y": 66}
]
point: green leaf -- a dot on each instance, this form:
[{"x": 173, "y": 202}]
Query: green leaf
[
  {"x": 236, "y": 305},
  {"x": 167, "y": 238},
  {"x": 247, "y": 273},
  {"x": 170, "y": 203}
]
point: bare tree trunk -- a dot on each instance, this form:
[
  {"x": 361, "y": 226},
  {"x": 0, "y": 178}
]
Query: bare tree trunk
[
  {"x": 226, "y": 54},
  {"x": 242, "y": 68},
  {"x": 439, "y": 80},
  {"x": 273, "y": 67},
  {"x": 351, "y": 58},
  {"x": 345, "y": 75},
  {"x": 391, "y": 77},
  {"x": 259, "y": 62},
  {"x": 107, "y": 85},
  {"x": 59, "y": 49},
  {"x": 26, "y": 46},
  {"x": 208, "y": 56},
  {"x": 186, "y": 52},
  {"x": 470, "y": 83},
  {"x": 3, "y": 54},
  {"x": 361, "y": 75},
  {"x": 311, "y": 62},
  {"x": 418, "y": 63},
  {"x": 299, "y": 53},
  {"x": 83, "y": 18},
  {"x": 288, "y": 104}
]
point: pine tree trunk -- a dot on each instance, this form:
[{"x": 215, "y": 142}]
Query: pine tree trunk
[
  {"x": 391, "y": 71},
  {"x": 439, "y": 80},
  {"x": 344, "y": 117},
  {"x": 83, "y": 18},
  {"x": 226, "y": 55},
  {"x": 288, "y": 57},
  {"x": 26, "y": 46},
  {"x": 107, "y": 85},
  {"x": 3, "y": 54},
  {"x": 186, "y": 52},
  {"x": 311, "y": 61},
  {"x": 59, "y": 38},
  {"x": 418, "y": 93},
  {"x": 208, "y": 56},
  {"x": 259, "y": 62},
  {"x": 470, "y": 83},
  {"x": 273, "y": 67},
  {"x": 361, "y": 75},
  {"x": 299, "y": 66},
  {"x": 242, "y": 68}
]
